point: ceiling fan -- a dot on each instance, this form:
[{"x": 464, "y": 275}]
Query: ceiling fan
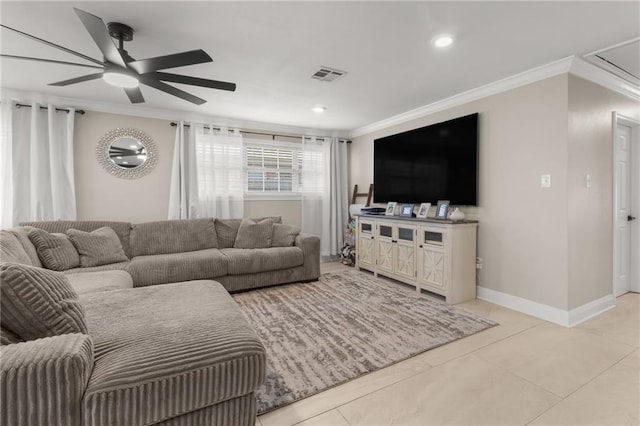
[{"x": 121, "y": 70}]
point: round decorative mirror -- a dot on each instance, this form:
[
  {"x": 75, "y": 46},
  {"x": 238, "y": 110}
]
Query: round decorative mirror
[{"x": 127, "y": 153}]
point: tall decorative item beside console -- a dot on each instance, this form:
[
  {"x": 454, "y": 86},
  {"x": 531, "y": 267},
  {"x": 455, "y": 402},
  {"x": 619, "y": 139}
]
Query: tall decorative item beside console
[{"x": 433, "y": 255}]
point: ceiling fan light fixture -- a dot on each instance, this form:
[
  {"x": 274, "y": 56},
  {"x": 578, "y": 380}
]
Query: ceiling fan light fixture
[
  {"x": 442, "y": 41},
  {"x": 120, "y": 79}
]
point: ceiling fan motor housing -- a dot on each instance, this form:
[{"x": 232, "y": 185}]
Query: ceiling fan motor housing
[{"x": 120, "y": 31}]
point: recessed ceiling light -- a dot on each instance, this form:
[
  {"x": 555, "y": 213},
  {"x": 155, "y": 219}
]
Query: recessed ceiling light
[
  {"x": 443, "y": 40},
  {"x": 319, "y": 109}
]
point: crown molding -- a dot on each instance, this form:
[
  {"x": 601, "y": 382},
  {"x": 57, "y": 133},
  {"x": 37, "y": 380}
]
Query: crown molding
[
  {"x": 570, "y": 64},
  {"x": 536, "y": 74},
  {"x": 595, "y": 74},
  {"x": 164, "y": 114}
]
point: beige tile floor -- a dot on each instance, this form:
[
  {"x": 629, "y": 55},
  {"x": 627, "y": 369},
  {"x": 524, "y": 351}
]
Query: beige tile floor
[{"x": 524, "y": 371}]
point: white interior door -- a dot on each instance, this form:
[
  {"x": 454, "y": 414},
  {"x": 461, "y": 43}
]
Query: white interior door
[{"x": 625, "y": 227}]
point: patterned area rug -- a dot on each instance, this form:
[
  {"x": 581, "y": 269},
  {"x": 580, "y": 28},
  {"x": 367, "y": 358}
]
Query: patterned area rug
[{"x": 347, "y": 324}]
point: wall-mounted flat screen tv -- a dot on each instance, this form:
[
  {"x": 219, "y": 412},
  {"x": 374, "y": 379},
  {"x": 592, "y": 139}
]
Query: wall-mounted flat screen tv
[{"x": 436, "y": 162}]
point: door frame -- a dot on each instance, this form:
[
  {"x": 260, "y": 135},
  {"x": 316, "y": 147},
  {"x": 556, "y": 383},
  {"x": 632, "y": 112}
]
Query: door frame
[{"x": 619, "y": 119}]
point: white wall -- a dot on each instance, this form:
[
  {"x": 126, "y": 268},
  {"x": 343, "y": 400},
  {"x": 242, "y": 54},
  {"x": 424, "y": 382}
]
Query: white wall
[{"x": 101, "y": 196}]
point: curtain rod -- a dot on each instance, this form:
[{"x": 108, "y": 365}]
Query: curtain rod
[
  {"x": 78, "y": 111},
  {"x": 273, "y": 135}
]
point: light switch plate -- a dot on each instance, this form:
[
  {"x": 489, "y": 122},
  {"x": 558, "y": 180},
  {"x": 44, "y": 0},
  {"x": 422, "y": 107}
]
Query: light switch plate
[{"x": 545, "y": 181}]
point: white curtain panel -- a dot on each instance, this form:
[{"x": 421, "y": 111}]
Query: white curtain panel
[
  {"x": 37, "y": 154},
  {"x": 207, "y": 176},
  {"x": 183, "y": 190},
  {"x": 324, "y": 192},
  {"x": 339, "y": 195}
]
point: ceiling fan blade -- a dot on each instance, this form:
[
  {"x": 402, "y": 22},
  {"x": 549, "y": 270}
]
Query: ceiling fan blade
[
  {"x": 48, "y": 43},
  {"x": 135, "y": 95},
  {"x": 192, "y": 57},
  {"x": 195, "y": 81},
  {"x": 77, "y": 80},
  {"x": 149, "y": 81},
  {"x": 28, "y": 58},
  {"x": 98, "y": 31}
]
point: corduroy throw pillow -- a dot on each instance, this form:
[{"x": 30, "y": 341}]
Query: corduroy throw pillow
[
  {"x": 284, "y": 235},
  {"x": 54, "y": 250},
  {"x": 252, "y": 235},
  {"x": 99, "y": 247},
  {"x": 36, "y": 302}
]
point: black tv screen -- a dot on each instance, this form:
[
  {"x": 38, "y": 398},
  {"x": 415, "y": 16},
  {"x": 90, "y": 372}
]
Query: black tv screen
[{"x": 436, "y": 162}]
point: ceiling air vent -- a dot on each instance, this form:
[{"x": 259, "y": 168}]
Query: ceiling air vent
[{"x": 328, "y": 74}]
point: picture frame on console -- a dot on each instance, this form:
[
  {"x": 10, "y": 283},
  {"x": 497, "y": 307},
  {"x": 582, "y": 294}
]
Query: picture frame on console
[
  {"x": 406, "y": 210},
  {"x": 391, "y": 208},
  {"x": 442, "y": 209},
  {"x": 423, "y": 211}
]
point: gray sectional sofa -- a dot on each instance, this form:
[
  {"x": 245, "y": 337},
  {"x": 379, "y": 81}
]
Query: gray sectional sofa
[{"x": 153, "y": 337}]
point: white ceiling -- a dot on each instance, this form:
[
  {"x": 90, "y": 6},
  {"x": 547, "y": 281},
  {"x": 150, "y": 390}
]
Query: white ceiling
[{"x": 271, "y": 49}]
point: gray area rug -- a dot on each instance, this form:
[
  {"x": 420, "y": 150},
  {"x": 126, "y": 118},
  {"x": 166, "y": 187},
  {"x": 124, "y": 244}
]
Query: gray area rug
[{"x": 347, "y": 324}]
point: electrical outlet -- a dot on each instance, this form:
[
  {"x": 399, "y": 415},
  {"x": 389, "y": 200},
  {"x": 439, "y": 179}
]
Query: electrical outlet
[
  {"x": 478, "y": 263},
  {"x": 545, "y": 181}
]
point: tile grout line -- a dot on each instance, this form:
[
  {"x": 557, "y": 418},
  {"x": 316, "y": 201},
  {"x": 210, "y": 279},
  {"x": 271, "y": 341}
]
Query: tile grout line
[
  {"x": 577, "y": 389},
  {"x": 342, "y": 415}
]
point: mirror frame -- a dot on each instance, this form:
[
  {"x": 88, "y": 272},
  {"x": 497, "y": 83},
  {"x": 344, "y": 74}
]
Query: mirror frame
[{"x": 102, "y": 153}]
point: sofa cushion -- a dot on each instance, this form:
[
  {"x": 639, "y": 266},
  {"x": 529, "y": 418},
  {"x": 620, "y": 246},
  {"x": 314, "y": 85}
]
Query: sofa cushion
[
  {"x": 8, "y": 338},
  {"x": 91, "y": 282},
  {"x": 186, "y": 343},
  {"x": 99, "y": 247},
  {"x": 254, "y": 235},
  {"x": 227, "y": 230},
  {"x": 122, "y": 229},
  {"x": 55, "y": 251},
  {"x": 173, "y": 236},
  {"x": 175, "y": 267},
  {"x": 22, "y": 234},
  {"x": 243, "y": 261},
  {"x": 284, "y": 235},
  {"x": 120, "y": 266},
  {"x": 11, "y": 249},
  {"x": 36, "y": 302}
]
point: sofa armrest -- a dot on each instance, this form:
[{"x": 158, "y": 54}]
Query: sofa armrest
[
  {"x": 43, "y": 381},
  {"x": 310, "y": 245}
]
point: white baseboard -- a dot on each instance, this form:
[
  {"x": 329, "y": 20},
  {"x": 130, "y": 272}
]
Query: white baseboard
[
  {"x": 545, "y": 312},
  {"x": 591, "y": 309}
]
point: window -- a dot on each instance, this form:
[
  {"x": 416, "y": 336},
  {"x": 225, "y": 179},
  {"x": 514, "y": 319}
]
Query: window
[{"x": 272, "y": 168}]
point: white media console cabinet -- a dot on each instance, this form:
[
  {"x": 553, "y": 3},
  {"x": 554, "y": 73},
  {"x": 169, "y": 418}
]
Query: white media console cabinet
[{"x": 433, "y": 255}]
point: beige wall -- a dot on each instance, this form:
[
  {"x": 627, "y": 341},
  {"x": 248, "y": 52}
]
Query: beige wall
[
  {"x": 591, "y": 209},
  {"x": 101, "y": 196},
  {"x": 522, "y": 236}
]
